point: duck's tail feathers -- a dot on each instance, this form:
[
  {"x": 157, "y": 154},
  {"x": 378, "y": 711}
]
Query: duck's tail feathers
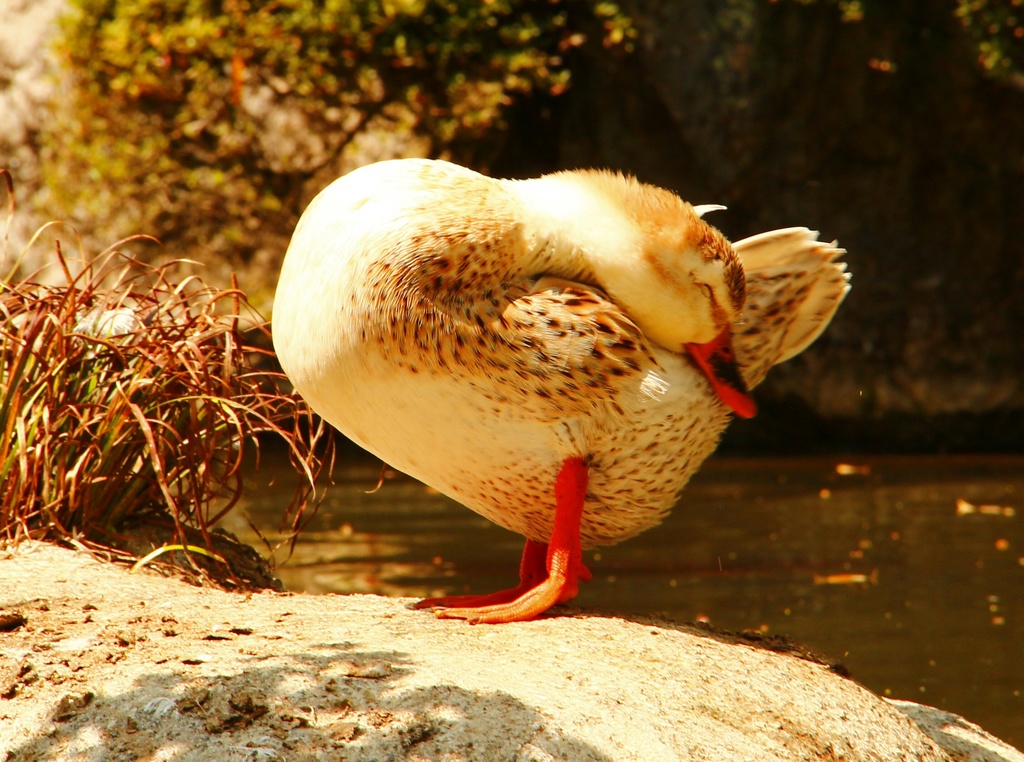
[{"x": 794, "y": 286}]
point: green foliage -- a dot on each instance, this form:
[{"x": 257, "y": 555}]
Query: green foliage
[
  {"x": 170, "y": 99},
  {"x": 127, "y": 398},
  {"x": 850, "y": 10},
  {"x": 994, "y": 29}
]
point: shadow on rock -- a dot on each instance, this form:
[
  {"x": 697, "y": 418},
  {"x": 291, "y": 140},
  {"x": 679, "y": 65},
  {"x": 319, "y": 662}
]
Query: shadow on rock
[{"x": 331, "y": 701}]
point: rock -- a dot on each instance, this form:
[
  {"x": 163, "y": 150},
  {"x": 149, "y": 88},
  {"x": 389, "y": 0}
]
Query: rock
[
  {"x": 27, "y": 88},
  {"x": 960, "y": 738},
  {"x": 364, "y": 677}
]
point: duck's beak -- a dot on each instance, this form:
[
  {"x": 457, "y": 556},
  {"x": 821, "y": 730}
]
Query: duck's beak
[{"x": 718, "y": 362}]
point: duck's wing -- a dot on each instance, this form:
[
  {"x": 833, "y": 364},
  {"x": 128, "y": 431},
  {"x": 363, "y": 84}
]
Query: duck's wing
[
  {"x": 794, "y": 286},
  {"x": 563, "y": 349}
]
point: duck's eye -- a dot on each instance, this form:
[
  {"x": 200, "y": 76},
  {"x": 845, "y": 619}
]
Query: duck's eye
[{"x": 708, "y": 291}]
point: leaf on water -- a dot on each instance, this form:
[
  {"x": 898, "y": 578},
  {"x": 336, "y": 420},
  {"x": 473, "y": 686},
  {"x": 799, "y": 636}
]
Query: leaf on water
[
  {"x": 963, "y": 508},
  {"x": 847, "y": 579},
  {"x": 849, "y": 469}
]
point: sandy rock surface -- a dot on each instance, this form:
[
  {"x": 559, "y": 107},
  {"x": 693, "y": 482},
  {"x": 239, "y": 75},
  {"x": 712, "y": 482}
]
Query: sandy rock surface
[{"x": 100, "y": 664}]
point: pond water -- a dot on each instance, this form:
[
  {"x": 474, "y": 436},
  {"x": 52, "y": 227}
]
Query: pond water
[{"x": 910, "y": 571}]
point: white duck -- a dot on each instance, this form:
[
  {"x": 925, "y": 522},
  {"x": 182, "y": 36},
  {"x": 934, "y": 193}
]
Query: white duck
[{"x": 554, "y": 353}]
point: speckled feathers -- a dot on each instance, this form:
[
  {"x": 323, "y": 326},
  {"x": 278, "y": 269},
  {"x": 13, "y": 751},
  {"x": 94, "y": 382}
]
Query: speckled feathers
[{"x": 475, "y": 332}]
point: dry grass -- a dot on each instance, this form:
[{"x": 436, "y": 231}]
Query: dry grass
[{"x": 130, "y": 398}]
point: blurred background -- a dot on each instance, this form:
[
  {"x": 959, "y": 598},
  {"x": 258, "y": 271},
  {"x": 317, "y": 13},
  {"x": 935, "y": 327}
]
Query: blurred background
[{"x": 894, "y": 126}]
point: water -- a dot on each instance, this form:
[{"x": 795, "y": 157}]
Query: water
[{"x": 910, "y": 571}]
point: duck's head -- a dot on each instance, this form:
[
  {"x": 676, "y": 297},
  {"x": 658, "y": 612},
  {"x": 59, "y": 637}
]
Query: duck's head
[
  {"x": 675, "y": 275},
  {"x": 696, "y": 288}
]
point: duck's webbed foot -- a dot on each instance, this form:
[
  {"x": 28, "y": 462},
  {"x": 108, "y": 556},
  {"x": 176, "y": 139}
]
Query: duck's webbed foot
[{"x": 548, "y": 574}]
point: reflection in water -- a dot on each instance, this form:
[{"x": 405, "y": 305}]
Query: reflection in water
[{"x": 910, "y": 571}]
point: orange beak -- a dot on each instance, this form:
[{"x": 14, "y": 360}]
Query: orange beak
[{"x": 718, "y": 362}]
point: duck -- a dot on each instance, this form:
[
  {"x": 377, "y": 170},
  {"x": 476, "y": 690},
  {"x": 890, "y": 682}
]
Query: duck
[{"x": 559, "y": 354}]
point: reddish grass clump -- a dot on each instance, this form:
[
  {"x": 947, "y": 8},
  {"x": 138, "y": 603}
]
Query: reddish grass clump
[{"x": 128, "y": 399}]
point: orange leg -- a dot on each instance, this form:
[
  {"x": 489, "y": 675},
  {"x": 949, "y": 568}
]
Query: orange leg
[
  {"x": 532, "y": 571},
  {"x": 542, "y": 584}
]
